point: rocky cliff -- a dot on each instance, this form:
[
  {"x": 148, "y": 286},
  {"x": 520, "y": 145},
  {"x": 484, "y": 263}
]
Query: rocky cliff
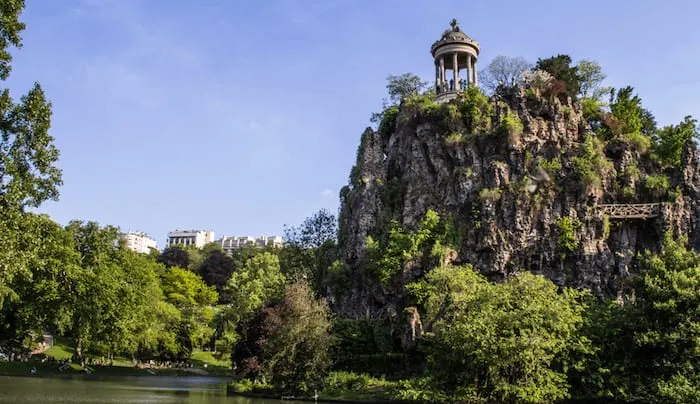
[{"x": 523, "y": 177}]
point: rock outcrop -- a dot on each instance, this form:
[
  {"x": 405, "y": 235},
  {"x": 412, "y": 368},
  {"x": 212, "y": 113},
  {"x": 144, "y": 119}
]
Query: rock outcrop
[{"x": 519, "y": 177}]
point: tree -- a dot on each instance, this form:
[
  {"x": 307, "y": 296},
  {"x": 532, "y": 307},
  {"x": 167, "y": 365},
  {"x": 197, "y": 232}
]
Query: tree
[
  {"x": 404, "y": 86},
  {"x": 28, "y": 175},
  {"x": 503, "y": 70},
  {"x": 322, "y": 226},
  {"x": 216, "y": 270},
  {"x": 289, "y": 342},
  {"x": 499, "y": 342},
  {"x": 667, "y": 338},
  {"x": 259, "y": 282},
  {"x": 669, "y": 140},
  {"x": 560, "y": 67},
  {"x": 186, "y": 291},
  {"x": 310, "y": 248},
  {"x": 43, "y": 294},
  {"x": 174, "y": 256},
  {"x": 590, "y": 77}
]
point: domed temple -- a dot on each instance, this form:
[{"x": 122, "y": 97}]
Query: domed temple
[{"x": 455, "y": 56}]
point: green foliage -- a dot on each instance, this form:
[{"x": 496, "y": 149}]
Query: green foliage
[
  {"x": 669, "y": 141},
  {"x": 476, "y": 111},
  {"x": 628, "y": 119},
  {"x": 499, "y": 342},
  {"x": 404, "y": 86},
  {"x": 591, "y": 164},
  {"x": 28, "y": 156},
  {"x": 510, "y": 125},
  {"x": 657, "y": 185},
  {"x": 433, "y": 237},
  {"x": 316, "y": 230},
  {"x": 490, "y": 194},
  {"x": 606, "y": 227},
  {"x": 560, "y": 67},
  {"x": 296, "y": 351},
  {"x": 590, "y": 76},
  {"x": 259, "y": 282},
  {"x": 592, "y": 109},
  {"x": 567, "y": 228},
  {"x": 552, "y": 167},
  {"x": 454, "y": 138},
  {"x": 388, "y": 121}
]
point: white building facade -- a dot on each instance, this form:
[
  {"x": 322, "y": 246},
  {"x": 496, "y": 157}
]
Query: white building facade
[
  {"x": 186, "y": 238},
  {"x": 139, "y": 241},
  {"x": 230, "y": 243}
]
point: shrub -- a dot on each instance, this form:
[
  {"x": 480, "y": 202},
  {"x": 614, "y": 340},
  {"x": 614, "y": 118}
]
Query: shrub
[
  {"x": 476, "y": 111},
  {"x": 591, "y": 164},
  {"x": 454, "y": 138},
  {"x": 296, "y": 352},
  {"x": 511, "y": 126},
  {"x": 567, "y": 233},
  {"x": 639, "y": 141},
  {"x": 606, "y": 227},
  {"x": 657, "y": 184},
  {"x": 505, "y": 342},
  {"x": 388, "y": 122},
  {"x": 552, "y": 167},
  {"x": 490, "y": 194}
]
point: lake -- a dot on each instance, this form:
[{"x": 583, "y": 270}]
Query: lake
[{"x": 156, "y": 389}]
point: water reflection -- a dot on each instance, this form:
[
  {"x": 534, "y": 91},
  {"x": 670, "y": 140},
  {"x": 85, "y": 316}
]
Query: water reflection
[{"x": 157, "y": 389}]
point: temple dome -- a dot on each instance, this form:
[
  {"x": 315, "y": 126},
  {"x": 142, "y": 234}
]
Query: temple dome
[{"x": 454, "y": 36}]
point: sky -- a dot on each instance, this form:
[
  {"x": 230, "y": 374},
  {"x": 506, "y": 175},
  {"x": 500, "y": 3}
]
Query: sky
[{"x": 242, "y": 116}]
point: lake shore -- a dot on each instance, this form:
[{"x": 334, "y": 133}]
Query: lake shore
[{"x": 23, "y": 369}]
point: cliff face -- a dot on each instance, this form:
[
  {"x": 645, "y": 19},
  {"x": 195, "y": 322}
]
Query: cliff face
[{"x": 522, "y": 177}]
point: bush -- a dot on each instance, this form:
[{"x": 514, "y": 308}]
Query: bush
[
  {"x": 657, "y": 185},
  {"x": 476, "y": 111},
  {"x": 490, "y": 194},
  {"x": 454, "y": 138},
  {"x": 567, "y": 233},
  {"x": 505, "y": 342},
  {"x": 511, "y": 126},
  {"x": 591, "y": 164}
]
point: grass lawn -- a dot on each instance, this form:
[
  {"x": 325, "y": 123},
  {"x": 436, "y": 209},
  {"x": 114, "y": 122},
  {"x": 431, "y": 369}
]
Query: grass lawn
[{"x": 63, "y": 348}]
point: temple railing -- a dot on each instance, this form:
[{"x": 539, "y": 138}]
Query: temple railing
[{"x": 630, "y": 210}]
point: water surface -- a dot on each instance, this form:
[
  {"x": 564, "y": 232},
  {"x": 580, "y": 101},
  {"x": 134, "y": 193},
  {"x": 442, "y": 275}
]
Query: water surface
[{"x": 156, "y": 389}]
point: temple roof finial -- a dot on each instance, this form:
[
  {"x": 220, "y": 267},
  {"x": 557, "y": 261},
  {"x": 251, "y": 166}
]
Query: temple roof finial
[{"x": 455, "y": 25}]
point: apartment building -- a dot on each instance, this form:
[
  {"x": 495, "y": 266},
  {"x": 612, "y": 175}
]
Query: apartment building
[
  {"x": 230, "y": 243},
  {"x": 139, "y": 241},
  {"x": 186, "y": 238}
]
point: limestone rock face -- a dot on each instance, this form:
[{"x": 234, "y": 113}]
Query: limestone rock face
[{"x": 507, "y": 216}]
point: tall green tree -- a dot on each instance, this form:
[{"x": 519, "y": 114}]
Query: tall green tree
[
  {"x": 194, "y": 299},
  {"x": 259, "y": 282},
  {"x": 506, "y": 342},
  {"x": 669, "y": 140},
  {"x": 288, "y": 342},
  {"x": 28, "y": 175},
  {"x": 43, "y": 294},
  {"x": 216, "y": 270},
  {"x": 560, "y": 67},
  {"x": 591, "y": 77}
]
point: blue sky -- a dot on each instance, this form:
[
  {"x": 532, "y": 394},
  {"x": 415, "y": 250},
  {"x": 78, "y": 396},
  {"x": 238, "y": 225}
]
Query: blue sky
[{"x": 242, "y": 116}]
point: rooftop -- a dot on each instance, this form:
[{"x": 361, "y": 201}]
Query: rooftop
[{"x": 454, "y": 35}]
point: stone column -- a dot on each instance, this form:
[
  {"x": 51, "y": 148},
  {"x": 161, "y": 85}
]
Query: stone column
[
  {"x": 455, "y": 73},
  {"x": 442, "y": 70},
  {"x": 469, "y": 68},
  {"x": 476, "y": 78},
  {"x": 437, "y": 77}
]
